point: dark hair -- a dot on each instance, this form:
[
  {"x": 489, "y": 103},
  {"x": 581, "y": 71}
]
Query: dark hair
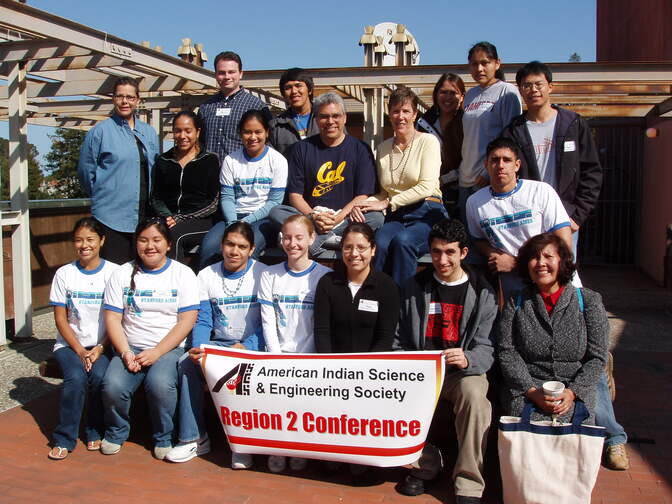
[
  {"x": 161, "y": 227},
  {"x": 90, "y": 223},
  {"x": 228, "y": 55},
  {"x": 297, "y": 74},
  {"x": 450, "y": 77},
  {"x": 127, "y": 81},
  {"x": 449, "y": 230},
  {"x": 532, "y": 248},
  {"x": 198, "y": 122},
  {"x": 253, "y": 114},
  {"x": 502, "y": 143},
  {"x": 242, "y": 228},
  {"x": 491, "y": 51},
  {"x": 401, "y": 95},
  {"x": 534, "y": 68},
  {"x": 361, "y": 228}
]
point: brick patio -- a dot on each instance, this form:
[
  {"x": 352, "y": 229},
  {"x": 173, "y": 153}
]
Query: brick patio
[{"x": 641, "y": 316}]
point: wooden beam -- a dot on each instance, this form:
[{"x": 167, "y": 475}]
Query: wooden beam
[
  {"x": 39, "y": 49},
  {"x": 68, "y": 63},
  {"x": 104, "y": 86}
]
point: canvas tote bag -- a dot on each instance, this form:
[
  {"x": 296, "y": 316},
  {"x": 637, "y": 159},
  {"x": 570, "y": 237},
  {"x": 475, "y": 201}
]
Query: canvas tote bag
[{"x": 545, "y": 464}]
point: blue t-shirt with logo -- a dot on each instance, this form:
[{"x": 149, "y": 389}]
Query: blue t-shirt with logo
[{"x": 331, "y": 176}]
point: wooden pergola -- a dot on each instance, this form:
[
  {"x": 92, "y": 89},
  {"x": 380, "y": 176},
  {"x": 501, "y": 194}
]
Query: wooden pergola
[{"x": 60, "y": 73}]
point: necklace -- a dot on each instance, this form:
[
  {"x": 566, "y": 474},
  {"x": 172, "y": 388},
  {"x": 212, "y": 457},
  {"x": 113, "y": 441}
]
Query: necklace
[
  {"x": 404, "y": 160},
  {"x": 227, "y": 291}
]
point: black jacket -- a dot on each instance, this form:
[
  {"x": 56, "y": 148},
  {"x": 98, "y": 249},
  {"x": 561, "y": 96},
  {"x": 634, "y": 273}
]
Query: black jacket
[
  {"x": 579, "y": 171},
  {"x": 342, "y": 327},
  {"x": 189, "y": 193},
  {"x": 284, "y": 133},
  {"x": 451, "y": 138}
]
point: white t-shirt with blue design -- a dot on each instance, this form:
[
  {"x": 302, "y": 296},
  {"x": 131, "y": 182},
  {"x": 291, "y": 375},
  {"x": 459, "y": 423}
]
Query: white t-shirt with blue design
[
  {"x": 81, "y": 293},
  {"x": 287, "y": 301},
  {"x": 509, "y": 219},
  {"x": 234, "y": 305},
  {"x": 252, "y": 179},
  {"x": 150, "y": 312}
]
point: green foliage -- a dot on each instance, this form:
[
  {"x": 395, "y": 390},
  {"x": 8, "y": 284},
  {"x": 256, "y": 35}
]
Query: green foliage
[
  {"x": 61, "y": 163},
  {"x": 35, "y": 177}
]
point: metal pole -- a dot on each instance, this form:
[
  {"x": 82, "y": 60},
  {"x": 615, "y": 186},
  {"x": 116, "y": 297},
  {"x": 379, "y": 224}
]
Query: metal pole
[
  {"x": 18, "y": 192},
  {"x": 156, "y": 123}
]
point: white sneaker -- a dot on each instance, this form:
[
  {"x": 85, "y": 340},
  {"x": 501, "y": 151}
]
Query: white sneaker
[
  {"x": 184, "y": 452},
  {"x": 297, "y": 464},
  {"x": 332, "y": 242},
  {"x": 276, "y": 463},
  {"x": 160, "y": 452},
  {"x": 241, "y": 460},
  {"x": 109, "y": 448}
]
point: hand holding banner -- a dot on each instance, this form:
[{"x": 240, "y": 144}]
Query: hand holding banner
[{"x": 373, "y": 409}]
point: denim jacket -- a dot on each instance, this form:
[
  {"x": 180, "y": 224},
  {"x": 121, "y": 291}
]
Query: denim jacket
[{"x": 109, "y": 170}]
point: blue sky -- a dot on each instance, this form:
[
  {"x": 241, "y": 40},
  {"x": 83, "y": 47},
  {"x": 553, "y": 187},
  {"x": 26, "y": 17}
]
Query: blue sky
[{"x": 270, "y": 35}]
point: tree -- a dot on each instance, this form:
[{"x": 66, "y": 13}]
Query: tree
[
  {"x": 35, "y": 177},
  {"x": 575, "y": 58},
  {"x": 61, "y": 163}
]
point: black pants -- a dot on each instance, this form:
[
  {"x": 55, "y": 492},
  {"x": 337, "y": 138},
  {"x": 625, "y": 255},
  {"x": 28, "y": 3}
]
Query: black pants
[
  {"x": 119, "y": 247},
  {"x": 186, "y": 235}
]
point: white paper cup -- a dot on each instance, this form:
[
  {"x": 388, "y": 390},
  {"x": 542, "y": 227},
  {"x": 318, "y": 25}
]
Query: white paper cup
[{"x": 553, "y": 388}]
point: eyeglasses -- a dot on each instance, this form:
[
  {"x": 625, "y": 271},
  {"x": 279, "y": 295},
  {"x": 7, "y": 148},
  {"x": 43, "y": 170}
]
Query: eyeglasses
[
  {"x": 349, "y": 249},
  {"x": 528, "y": 86},
  {"x": 121, "y": 98}
]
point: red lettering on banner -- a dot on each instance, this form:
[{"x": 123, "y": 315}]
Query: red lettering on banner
[
  {"x": 413, "y": 428},
  {"x": 374, "y": 427},
  {"x": 249, "y": 420},
  {"x": 292, "y": 420}
]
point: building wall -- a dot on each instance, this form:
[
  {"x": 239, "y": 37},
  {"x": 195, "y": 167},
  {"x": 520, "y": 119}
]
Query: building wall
[
  {"x": 630, "y": 30},
  {"x": 657, "y": 199}
]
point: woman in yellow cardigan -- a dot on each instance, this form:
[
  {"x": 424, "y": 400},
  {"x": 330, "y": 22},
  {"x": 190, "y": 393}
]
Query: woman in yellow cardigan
[{"x": 409, "y": 165}]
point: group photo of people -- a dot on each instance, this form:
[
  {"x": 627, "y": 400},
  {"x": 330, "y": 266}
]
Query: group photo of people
[{"x": 287, "y": 234}]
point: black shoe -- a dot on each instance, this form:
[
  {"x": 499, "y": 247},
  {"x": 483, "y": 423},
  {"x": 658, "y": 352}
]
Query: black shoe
[
  {"x": 411, "y": 486},
  {"x": 463, "y": 499}
]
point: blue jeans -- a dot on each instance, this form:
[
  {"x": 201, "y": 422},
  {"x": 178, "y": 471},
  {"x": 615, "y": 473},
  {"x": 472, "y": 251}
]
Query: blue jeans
[
  {"x": 605, "y": 416},
  {"x": 77, "y": 385},
  {"x": 280, "y": 213},
  {"x": 190, "y": 380},
  {"x": 403, "y": 238},
  {"x": 211, "y": 247},
  {"x": 160, "y": 382}
]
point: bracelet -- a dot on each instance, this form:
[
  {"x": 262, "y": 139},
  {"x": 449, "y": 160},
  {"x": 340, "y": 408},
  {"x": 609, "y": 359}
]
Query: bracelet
[{"x": 125, "y": 352}]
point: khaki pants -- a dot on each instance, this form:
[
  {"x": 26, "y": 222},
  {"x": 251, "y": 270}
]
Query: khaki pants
[{"x": 473, "y": 413}]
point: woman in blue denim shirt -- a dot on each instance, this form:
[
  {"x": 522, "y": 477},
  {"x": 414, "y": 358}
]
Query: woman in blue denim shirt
[
  {"x": 115, "y": 167},
  {"x": 229, "y": 316}
]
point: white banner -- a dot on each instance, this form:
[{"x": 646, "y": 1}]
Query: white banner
[{"x": 373, "y": 409}]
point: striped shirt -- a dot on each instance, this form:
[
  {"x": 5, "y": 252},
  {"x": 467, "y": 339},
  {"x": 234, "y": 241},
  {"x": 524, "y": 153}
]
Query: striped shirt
[{"x": 221, "y": 116}]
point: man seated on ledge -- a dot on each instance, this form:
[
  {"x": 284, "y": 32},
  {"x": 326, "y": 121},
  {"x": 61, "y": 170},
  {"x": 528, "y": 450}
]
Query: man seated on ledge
[
  {"x": 327, "y": 174},
  {"x": 452, "y": 308},
  {"x": 508, "y": 212}
]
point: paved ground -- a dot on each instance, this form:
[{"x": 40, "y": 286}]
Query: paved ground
[{"x": 641, "y": 320}]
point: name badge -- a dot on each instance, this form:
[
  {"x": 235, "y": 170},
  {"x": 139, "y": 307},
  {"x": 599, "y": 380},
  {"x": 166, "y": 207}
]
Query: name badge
[
  {"x": 223, "y": 112},
  {"x": 368, "y": 305},
  {"x": 570, "y": 146},
  {"x": 435, "y": 309}
]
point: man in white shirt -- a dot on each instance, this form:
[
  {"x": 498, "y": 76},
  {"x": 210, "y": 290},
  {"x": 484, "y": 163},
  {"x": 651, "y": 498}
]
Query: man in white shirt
[{"x": 509, "y": 211}]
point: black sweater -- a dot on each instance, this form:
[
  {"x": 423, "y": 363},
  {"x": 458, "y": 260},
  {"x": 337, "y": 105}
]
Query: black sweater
[
  {"x": 341, "y": 327},
  {"x": 189, "y": 193}
]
